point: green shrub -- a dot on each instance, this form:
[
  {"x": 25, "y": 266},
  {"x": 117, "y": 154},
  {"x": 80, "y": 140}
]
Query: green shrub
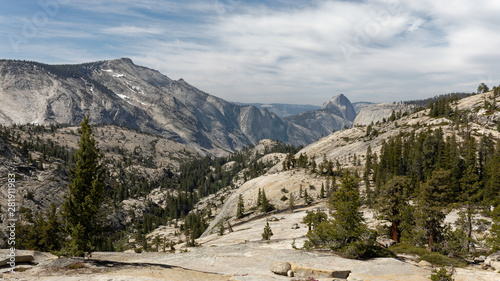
[
  {"x": 361, "y": 251},
  {"x": 404, "y": 248},
  {"x": 441, "y": 275},
  {"x": 442, "y": 260}
]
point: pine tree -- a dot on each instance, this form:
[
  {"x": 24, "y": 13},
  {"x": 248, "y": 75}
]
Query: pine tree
[
  {"x": 491, "y": 193},
  {"x": 240, "y": 212},
  {"x": 470, "y": 186},
  {"x": 291, "y": 202},
  {"x": 347, "y": 227},
  {"x": 392, "y": 201},
  {"x": 85, "y": 194},
  {"x": 259, "y": 198},
  {"x": 348, "y": 219},
  {"x": 265, "y": 206},
  {"x": 434, "y": 195},
  {"x": 266, "y": 235},
  {"x": 494, "y": 239}
]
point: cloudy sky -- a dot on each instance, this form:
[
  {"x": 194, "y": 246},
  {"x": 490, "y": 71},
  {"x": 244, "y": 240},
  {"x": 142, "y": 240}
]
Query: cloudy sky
[{"x": 285, "y": 51}]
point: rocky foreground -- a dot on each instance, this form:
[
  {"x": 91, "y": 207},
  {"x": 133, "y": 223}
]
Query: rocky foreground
[{"x": 240, "y": 255}]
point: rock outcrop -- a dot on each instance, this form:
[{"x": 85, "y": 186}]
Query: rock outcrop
[{"x": 377, "y": 112}]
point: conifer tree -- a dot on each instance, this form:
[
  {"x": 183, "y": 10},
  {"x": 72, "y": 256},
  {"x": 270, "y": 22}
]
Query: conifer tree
[
  {"x": 259, "y": 198},
  {"x": 348, "y": 220},
  {"x": 240, "y": 212},
  {"x": 85, "y": 194},
  {"x": 266, "y": 235},
  {"x": 494, "y": 239},
  {"x": 434, "y": 195},
  {"x": 470, "y": 186},
  {"x": 491, "y": 193},
  {"x": 265, "y": 206},
  {"x": 291, "y": 202},
  {"x": 392, "y": 201}
]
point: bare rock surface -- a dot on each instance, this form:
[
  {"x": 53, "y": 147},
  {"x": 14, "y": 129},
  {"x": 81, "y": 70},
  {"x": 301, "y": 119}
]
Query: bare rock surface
[{"x": 238, "y": 256}]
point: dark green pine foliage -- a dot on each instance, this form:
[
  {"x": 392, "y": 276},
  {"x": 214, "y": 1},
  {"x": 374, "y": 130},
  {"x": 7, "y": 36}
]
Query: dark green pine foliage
[
  {"x": 471, "y": 186},
  {"x": 494, "y": 239},
  {"x": 240, "y": 211},
  {"x": 392, "y": 201},
  {"x": 259, "y": 198},
  {"x": 266, "y": 235},
  {"x": 347, "y": 227},
  {"x": 85, "y": 194},
  {"x": 348, "y": 220},
  {"x": 313, "y": 219},
  {"x": 491, "y": 193},
  {"x": 265, "y": 205},
  {"x": 434, "y": 196},
  {"x": 41, "y": 233}
]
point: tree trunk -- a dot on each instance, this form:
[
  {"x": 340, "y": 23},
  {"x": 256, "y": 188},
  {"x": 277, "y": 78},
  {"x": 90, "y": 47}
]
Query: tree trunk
[
  {"x": 469, "y": 226},
  {"x": 395, "y": 231}
]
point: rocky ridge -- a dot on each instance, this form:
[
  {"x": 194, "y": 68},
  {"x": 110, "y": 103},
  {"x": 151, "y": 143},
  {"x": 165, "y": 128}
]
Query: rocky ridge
[{"x": 121, "y": 93}]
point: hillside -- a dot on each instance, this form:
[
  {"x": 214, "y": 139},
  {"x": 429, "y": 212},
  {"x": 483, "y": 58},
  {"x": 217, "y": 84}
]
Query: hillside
[{"x": 196, "y": 199}]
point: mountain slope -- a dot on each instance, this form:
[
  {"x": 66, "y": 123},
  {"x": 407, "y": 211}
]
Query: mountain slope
[
  {"x": 283, "y": 109},
  {"x": 121, "y": 93},
  {"x": 334, "y": 115}
]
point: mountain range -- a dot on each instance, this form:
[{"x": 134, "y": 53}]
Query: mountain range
[{"x": 121, "y": 93}]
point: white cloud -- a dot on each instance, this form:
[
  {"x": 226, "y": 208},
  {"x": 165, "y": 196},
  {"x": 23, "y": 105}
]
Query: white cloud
[{"x": 380, "y": 50}]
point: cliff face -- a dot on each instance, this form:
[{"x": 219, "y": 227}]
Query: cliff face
[
  {"x": 121, "y": 93},
  {"x": 377, "y": 112}
]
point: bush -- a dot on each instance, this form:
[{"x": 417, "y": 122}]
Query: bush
[
  {"x": 404, "y": 248},
  {"x": 442, "y": 260},
  {"x": 76, "y": 265},
  {"x": 361, "y": 251},
  {"x": 441, "y": 275}
]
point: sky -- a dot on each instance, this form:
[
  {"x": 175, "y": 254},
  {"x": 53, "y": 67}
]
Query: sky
[{"x": 278, "y": 51}]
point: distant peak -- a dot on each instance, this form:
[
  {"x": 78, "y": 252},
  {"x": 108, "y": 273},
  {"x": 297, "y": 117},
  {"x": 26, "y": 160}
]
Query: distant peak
[
  {"x": 126, "y": 60},
  {"x": 341, "y": 106},
  {"x": 336, "y": 100}
]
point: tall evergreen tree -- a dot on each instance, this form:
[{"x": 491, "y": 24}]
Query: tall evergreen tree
[
  {"x": 85, "y": 194},
  {"x": 392, "y": 201},
  {"x": 491, "y": 193},
  {"x": 240, "y": 211},
  {"x": 266, "y": 235},
  {"x": 434, "y": 195},
  {"x": 470, "y": 185}
]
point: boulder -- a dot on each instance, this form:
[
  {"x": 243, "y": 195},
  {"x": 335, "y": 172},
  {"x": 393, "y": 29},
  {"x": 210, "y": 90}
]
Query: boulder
[
  {"x": 295, "y": 226},
  {"x": 289, "y": 273},
  {"x": 423, "y": 263},
  {"x": 281, "y": 267},
  {"x": 491, "y": 258},
  {"x": 495, "y": 265},
  {"x": 19, "y": 259},
  {"x": 303, "y": 271},
  {"x": 385, "y": 242}
]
